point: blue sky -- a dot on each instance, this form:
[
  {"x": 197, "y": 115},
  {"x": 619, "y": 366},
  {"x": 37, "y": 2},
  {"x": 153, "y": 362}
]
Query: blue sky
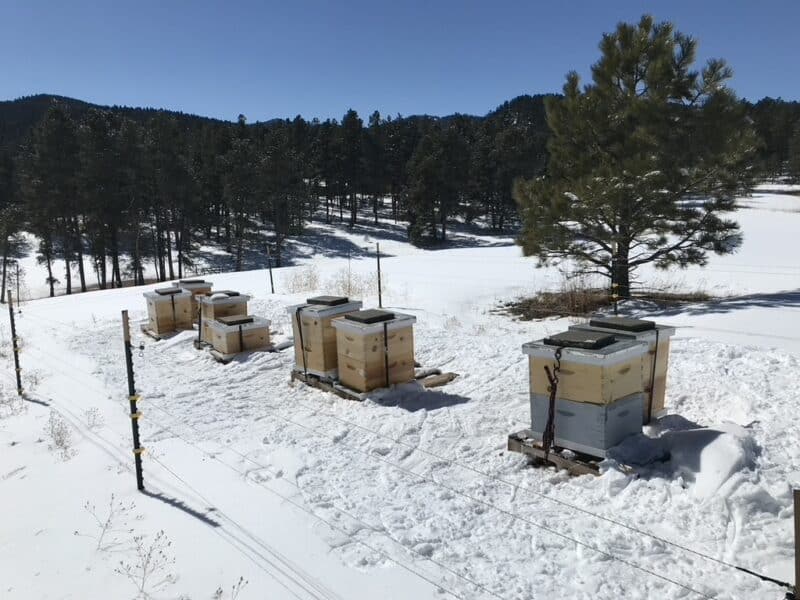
[{"x": 278, "y": 59}]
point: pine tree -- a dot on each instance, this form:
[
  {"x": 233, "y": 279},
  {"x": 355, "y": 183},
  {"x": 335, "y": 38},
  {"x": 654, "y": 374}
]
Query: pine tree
[{"x": 644, "y": 161}]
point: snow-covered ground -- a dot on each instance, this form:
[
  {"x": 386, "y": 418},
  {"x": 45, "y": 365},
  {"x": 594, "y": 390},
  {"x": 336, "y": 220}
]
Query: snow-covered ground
[{"x": 411, "y": 493}]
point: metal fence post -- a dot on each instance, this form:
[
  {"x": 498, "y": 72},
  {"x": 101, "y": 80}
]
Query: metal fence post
[
  {"x": 133, "y": 398},
  {"x": 380, "y": 296}
]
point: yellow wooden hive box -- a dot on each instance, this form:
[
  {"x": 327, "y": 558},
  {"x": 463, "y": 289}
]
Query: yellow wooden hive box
[
  {"x": 656, "y": 361},
  {"x": 168, "y": 310},
  {"x": 375, "y": 349},
  {"x": 222, "y": 303},
  {"x": 231, "y": 335},
  {"x": 598, "y": 375},
  {"x": 312, "y": 323}
]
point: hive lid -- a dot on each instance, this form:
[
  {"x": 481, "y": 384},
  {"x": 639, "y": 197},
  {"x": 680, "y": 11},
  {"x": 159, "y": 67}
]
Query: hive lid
[
  {"x": 182, "y": 281},
  {"x": 586, "y": 340},
  {"x": 328, "y": 300},
  {"x": 168, "y": 291},
  {"x": 235, "y": 320},
  {"x": 229, "y": 293},
  {"x": 623, "y": 324},
  {"x": 370, "y": 316}
]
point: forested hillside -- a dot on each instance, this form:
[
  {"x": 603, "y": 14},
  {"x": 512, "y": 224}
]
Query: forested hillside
[{"x": 124, "y": 186}]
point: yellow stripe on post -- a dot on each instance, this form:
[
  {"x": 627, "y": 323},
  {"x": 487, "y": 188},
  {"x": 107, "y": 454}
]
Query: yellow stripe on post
[
  {"x": 136, "y": 415},
  {"x": 138, "y": 450}
]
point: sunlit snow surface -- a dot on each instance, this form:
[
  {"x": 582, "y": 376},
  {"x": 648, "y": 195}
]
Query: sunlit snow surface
[{"x": 296, "y": 478}]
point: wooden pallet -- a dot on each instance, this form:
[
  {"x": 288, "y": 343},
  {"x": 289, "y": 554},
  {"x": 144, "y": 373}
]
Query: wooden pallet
[
  {"x": 574, "y": 462},
  {"x": 427, "y": 377}
]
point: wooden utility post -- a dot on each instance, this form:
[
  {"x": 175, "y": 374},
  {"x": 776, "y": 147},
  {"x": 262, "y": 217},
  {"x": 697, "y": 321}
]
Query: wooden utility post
[
  {"x": 380, "y": 298},
  {"x": 269, "y": 266},
  {"x": 15, "y": 343},
  {"x": 133, "y": 398}
]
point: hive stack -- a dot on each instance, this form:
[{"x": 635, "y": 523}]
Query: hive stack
[
  {"x": 231, "y": 335},
  {"x": 197, "y": 287},
  {"x": 223, "y": 303},
  {"x": 168, "y": 309},
  {"x": 600, "y": 393},
  {"x": 375, "y": 349},
  {"x": 656, "y": 361},
  {"x": 314, "y": 335}
]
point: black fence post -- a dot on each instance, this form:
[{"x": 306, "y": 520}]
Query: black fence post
[
  {"x": 380, "y": 295},
  {"x": 133, "y": 398},
  {"x": 15, "y": 343}
]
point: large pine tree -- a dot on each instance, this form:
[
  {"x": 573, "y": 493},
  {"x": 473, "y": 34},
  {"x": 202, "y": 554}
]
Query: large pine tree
[{"x": 644, "y": 161}]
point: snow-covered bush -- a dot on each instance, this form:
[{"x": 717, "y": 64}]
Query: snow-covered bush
[{"x": 112, "y": 529}]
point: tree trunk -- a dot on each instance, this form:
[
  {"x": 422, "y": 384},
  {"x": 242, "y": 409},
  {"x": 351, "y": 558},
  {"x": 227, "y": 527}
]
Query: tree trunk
[
  {"x": 78, "y": 242},
  {"x": 620, "y": 273},
  {"x": 116, "y": 275},
  {"x": 50, "y": 280},
  {"x": 68, "y": 270},
  {"x": 375, "y": 207},
  {"x": 5, "y": 270}
]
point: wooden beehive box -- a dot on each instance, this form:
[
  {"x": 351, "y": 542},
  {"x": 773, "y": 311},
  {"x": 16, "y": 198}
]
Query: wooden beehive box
[
  {"x": 311, "y": 322},
  {"x": 600, "y": 393},
  {"x": 223, "y": 303},
  {"x": 168, "y": 309},
  {"x": 197, "y": 287},
  {"x": 375, "y": 349},
  {"x": 231, "y": 335},
  {"x": 598, "y": 370},
  {"x": 656, "y": 361}
]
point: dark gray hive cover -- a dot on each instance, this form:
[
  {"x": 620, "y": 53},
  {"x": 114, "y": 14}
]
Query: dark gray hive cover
[
  {"x": 370, "y": 316},
  {"x": 328, "y": 300},
  {"x": 229, "y": 293},
  {"x": 623, "y": 324},
  {"x": 587, "y": 340},
  {"x": 235, "y": 320},
  {"x": 168, "y": 291},
  {"x": 192, "y": 281}
]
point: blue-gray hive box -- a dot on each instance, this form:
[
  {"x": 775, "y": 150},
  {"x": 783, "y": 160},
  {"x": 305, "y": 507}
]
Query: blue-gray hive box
[
  {"x": 656, "y": 361},
  {"x": 600, "y": 394}
]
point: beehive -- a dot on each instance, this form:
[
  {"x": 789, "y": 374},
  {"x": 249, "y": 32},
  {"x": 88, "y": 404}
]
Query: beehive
[
  {"x": 600, "y": 395},
  {"x": 375, "y": 349},
  {"x": 197, "y": 287},
  {"x": 224, "y": 303},
  {"x": 231, "y": 335},
  {"x": 656, "y": 361},
  {"x": 168, "y": 309},
  {"x": 311, "y": 322}
]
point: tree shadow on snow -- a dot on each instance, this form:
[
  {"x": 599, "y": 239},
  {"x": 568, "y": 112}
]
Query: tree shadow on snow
[
  {"x": 786, "y": 299},
  {"x": 413, "y": 397}
]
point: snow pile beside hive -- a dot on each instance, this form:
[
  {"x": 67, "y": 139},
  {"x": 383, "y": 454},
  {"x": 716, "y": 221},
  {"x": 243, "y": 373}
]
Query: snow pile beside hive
[{"x": 704, "y": 459}]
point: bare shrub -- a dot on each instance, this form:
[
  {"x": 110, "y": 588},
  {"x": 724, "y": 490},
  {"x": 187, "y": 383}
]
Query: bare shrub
[
  {"x": 150, "y": 570},
  {"x": 94, "y": 419},
  {"x": 302, "y": 279},
  {"x": 236, "y": 589},
  {"x": 112, "y": 528},
  {"x": 31, "y": 378},
  {"x": 346, "y": 283},
  {"x": 452, "y": 322},
  {"x": 60, "y": 435},
  {"x": 10, "y": 404}
]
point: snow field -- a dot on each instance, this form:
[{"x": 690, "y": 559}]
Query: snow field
[{"x": 318, "y": 497}]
